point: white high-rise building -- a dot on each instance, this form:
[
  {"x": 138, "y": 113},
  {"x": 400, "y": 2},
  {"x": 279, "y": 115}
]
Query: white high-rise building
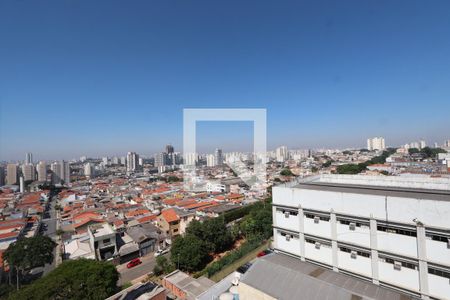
[
  {"x": 218, "y": 157},
  {"x": 57, "y": 175},
  {"x": 132, "y": 161},
  {"x": 422, "y": 144},
  {"x": 28, "y": 172},
  {"x": 376, "y": 143},
  {"x": 11, "y": 174},
  {"x": 210, "y": 160},
  {"x": 281, "y": 154},
  {"x": 88, "y": 170},
  {"x": 105, "y": 160},
  {"x": 190, "y": 159},
  {"x": 28, "y": 159},
  {"x": 42, "y": 171},
  {"x": 391, "y": 231}
]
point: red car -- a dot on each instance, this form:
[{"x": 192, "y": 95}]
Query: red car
[
  {"x": 133, "y": 263},
  {"x": 264, "y": 252}
]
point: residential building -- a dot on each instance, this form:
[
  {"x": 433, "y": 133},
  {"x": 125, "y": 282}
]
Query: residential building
[
  {"x": 132, "y": 161},
  {"x": 161, "y": 159},
  {"x": 210, "y": 160},
  {"x": 103, "y": 240},
  {"x": 2, "y": 176},
  {"x": 376, "y": 143},
  {"x": 88, "y": 170},
  {"x": 65, "y": 172},
  {"x": 57, "y": 176},
  {"x": 28, "y": 172},
  {"x": 169, "y": 149},
  {"x": 11, "y": 174},
  {"x": 185, "y": 287},
  {"x": 388, "y": 230},
  {"x": 281, "y": 154},
  {"x": 41, "y": 169},
  {"x": 169, "y": 222},
  {"x": 190, "y": 159},
  {"x": 29, "y": 159},
  {"x": 218, "y": 157}
]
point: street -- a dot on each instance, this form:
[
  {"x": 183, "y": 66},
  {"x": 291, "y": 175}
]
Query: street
[
  {"x": 127, "y": 275},
  {"x": 49, "y": 229}
]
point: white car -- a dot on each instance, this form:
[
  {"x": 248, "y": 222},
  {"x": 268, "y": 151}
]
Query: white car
[{"x": 161, "y": 252}]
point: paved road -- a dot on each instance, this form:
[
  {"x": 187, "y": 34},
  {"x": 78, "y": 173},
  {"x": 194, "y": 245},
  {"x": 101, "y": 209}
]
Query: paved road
[
  {"x": 127, "y": 275},
  {"x": 50, "y": 231}
]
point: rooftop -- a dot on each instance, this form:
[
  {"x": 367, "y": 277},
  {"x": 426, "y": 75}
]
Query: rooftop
[
  {"x": 285, "y": 277},
  {"x": 421, "y": 187}
]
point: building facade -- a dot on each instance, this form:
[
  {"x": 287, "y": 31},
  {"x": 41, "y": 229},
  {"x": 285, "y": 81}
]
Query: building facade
[
  {"x": 376, "y": 143},
  {"x": 11, "y": 174},
  {"x": 392, "y": 231}
]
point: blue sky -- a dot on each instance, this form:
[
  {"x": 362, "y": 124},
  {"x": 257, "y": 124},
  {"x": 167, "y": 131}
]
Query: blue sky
[{"x": 105, "y": 77}]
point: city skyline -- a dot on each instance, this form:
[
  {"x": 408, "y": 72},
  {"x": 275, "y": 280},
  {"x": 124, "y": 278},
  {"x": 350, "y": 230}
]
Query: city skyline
[{"x": 329, "y": 76}]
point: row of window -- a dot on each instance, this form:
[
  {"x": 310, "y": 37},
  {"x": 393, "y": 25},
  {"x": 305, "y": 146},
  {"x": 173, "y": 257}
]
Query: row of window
[
  {"x": 354, "y": 253},
  {"x": 380, "y": 227},
  {"x": 397, "y": 230}
]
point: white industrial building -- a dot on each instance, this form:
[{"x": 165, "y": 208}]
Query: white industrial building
[{"x": 392, "y": 231}]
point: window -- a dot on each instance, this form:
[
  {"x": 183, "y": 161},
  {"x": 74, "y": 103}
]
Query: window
[
  {"x": 399, "y": 264},
  {"x": 356, "y": 252},
  {"x": 396, "y": 230},
  {"x": 317, "y": 217},
  {"x": 106, "y": 241},
  {"x": 440, "y": 273},
  {"x": 437, "y": 237},
  {"x": 288, "y": 213}
]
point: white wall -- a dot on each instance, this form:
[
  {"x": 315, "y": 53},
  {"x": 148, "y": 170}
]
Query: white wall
[
  {"x": 291, "y": 222},
  {"x": 437, "y": 252},
  {"x": 324, "y": 254},
  {"x": 359, "y": 236},
  {"x": 439, "y": 286},
  {"x": 397, "y": 243},
  {"x": 321, "y": 229},
  {"x": 406, "y": 278},
  {"x": 403, "y": 210},
  {"x": 361, "y": 265},
  {"x": 291, "y": 246}
]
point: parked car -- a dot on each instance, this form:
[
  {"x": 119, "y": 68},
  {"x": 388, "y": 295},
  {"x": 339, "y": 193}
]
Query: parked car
[
  {"x": 133, "y": 263},
  {"x": 242, "y": 269},
  {"x": 264, "y": 252},
  {"x": 161, "y": 252}
]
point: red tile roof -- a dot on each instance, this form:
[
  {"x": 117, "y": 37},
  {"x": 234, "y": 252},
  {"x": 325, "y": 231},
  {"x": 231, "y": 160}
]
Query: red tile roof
[{"x": 170, "y": 215}]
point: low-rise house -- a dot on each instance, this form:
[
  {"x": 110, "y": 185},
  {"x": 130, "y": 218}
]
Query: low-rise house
[
  {"x": 103, "y": 240},
  {"x": 185, "y": 287}
]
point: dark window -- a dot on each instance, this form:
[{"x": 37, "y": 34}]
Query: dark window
[
  {"x": 439, "y": 273},
  {"x": 436, "y": 237},
  {"x": 312, "y": 216},
  {"x": 396, "y": 230},
  {"x": 106, "y": 241}
]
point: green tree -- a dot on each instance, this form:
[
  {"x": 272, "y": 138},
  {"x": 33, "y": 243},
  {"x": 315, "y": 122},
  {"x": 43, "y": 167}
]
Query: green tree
[
  {"x": 212, "y": 231},
  {"x": 189, "y": 253},
  {"x": 74, "y": 279},
  {"x": 163, "y": 266},
  {"x": 350, "y": 168},
  {"x": 28, "y": 253},
  {"x": 286, "y": 172},
  {"x": 413, "y": 150}
]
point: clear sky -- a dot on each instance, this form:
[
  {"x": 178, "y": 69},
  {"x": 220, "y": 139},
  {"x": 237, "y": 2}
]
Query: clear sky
[{"x": 106, "y": 77}]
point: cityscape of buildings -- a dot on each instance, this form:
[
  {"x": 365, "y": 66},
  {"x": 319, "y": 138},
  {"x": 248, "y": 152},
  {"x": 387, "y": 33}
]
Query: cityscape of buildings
[{"x": 369, "y": 226}]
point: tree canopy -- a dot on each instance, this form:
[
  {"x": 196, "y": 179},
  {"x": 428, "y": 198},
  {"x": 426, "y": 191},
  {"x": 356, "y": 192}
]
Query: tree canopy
[
  {"x": 212, "y": 231},
  {"x": 189, "y": 253},
  {"x": 286, "y": 172},
  {"x": 29, "y": 253},
  {"x": 73, "y": 279}
]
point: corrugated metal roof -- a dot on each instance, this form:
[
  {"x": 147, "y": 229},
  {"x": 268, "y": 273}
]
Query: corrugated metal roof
[{"x": 285, "y": 277}]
